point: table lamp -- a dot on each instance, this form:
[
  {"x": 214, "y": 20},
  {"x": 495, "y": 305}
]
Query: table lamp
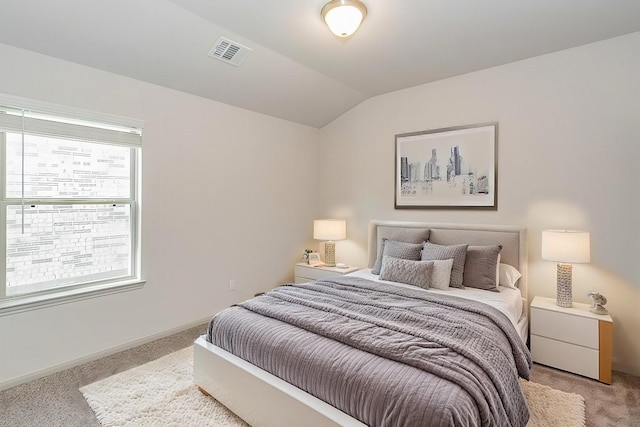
[
  {"x": 566, "y": 247},
  {"x": 329, "y": 230}
]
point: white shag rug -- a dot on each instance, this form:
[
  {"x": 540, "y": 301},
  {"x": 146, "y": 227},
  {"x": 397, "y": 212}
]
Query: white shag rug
[
  {"x": 162, "y": 393},
  {"x": 158, "y": 393}
]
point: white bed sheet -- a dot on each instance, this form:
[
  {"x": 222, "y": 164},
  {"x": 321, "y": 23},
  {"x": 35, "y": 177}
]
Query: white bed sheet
[{"x": 508, "y": 301}]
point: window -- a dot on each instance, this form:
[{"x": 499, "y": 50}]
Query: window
[{"x": 70, "y": 203}]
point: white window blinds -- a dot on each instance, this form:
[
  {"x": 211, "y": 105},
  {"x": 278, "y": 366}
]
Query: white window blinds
[{"x": 18, "y": 120}]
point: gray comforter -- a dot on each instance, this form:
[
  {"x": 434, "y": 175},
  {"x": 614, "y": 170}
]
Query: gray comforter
[{"x": 385, "y": 355}]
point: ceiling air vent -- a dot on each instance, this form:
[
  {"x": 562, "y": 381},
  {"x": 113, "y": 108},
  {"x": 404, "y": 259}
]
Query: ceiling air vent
[{"x": 230, "y": 52}]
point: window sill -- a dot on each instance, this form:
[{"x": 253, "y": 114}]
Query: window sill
[{"x": 34, "y": 302}]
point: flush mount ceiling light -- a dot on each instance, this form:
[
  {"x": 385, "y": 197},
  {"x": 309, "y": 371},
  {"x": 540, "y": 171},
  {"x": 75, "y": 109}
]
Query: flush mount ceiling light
[{"x": 343, "y": 17}]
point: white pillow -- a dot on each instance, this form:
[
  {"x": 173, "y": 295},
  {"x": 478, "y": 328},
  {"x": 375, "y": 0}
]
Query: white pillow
[
  {"x": 498, "y": 272},
  {"x": 441, "y": 274},
  {"x": 509, "y": 276}
]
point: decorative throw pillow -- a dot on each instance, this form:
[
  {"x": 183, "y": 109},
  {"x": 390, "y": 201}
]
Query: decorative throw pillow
[
  {"x": 509, "y": 276},
  {"x": 457, "y": 253},
  {"x": 441, "y": 274},
  {"x": 481, "y": 266},
  {"x": 416, "y": 273},
  {"x": 397, "y": 249}
]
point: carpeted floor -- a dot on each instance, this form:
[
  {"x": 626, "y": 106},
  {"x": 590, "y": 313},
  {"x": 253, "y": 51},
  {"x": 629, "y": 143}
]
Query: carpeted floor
[
  {"x": 57, "y": 401},
  {"x": 615, "y": 405}
]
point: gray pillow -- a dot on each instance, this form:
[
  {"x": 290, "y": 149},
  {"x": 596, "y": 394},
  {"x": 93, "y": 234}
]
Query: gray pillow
[
  {"x": 481, "y": 266},
  {"x": 396, "y": 249},
  {"x": 457, "y": 253},
  {"x": 441, "y": 274},
  {"x": 416, "y": 273}
]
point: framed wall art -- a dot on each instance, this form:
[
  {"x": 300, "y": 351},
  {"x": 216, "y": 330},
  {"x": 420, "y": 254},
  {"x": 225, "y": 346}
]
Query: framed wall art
[{"x": 451, "y": 168}]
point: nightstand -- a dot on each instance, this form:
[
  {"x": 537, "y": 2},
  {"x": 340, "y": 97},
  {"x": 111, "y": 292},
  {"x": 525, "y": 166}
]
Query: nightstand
[
  {"x": 572, "y": 339},
  {"x": 305, "y": 273}
]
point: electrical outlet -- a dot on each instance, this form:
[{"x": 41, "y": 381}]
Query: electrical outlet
[{"x": 232, "y": 285}]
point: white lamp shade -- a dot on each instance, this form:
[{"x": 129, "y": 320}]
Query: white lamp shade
[
  {"x": 329, "y": 229},
  {"x": 343, "y": 17},
  {"x": 566, "y": 246}
]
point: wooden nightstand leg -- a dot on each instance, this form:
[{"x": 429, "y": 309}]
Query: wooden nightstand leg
[
  {"x": 605, "y": 333},
  {"x": 203, "y": 391}
]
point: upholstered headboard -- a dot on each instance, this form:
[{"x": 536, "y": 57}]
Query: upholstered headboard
[{"x": 512, "y": 238}]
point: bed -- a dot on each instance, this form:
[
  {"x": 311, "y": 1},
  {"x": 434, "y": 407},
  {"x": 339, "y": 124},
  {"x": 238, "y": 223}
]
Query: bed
[{"x": 338, "y": 356}]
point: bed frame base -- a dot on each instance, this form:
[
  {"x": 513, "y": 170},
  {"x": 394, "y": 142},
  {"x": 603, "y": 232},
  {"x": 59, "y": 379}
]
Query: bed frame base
[{"x": 256, "y": 396}]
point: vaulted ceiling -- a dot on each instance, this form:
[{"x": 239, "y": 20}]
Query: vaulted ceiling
[{"x": 298, "y": 70}]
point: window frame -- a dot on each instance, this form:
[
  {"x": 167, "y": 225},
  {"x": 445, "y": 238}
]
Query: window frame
[{"x": 90, "y": 289}]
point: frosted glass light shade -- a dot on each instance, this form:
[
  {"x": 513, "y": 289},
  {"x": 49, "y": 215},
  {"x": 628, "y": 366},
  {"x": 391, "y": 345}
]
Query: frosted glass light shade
[
  {"x": 566, "y": 246},
  {"x": 343, "y": 17},
  {"x": 329, "y": 229}
]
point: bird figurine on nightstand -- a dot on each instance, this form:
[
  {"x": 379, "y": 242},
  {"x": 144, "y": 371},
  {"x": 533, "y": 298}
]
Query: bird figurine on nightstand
[{"x": 599, "y": 301}]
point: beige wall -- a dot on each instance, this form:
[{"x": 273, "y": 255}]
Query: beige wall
[
  {"x": 223, "y": 198},
  {"x": 569, "y": 150}
]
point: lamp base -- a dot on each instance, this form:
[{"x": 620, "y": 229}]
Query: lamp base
[
  {"x": 564, "y": 298},
  {"x": 330, "y": 254}
]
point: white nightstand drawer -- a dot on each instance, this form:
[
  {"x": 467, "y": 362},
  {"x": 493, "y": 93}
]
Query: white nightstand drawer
[
  {"x": 572, "y": 338},
  {"x": 568, "y": 357},
  {"x": 305, "y": 273},
  {"x": 562, "y": 327},
  {"x": 312, "y": 273}
]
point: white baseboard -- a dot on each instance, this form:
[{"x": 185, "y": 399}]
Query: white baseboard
[{"x": 4, "y": 385}]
